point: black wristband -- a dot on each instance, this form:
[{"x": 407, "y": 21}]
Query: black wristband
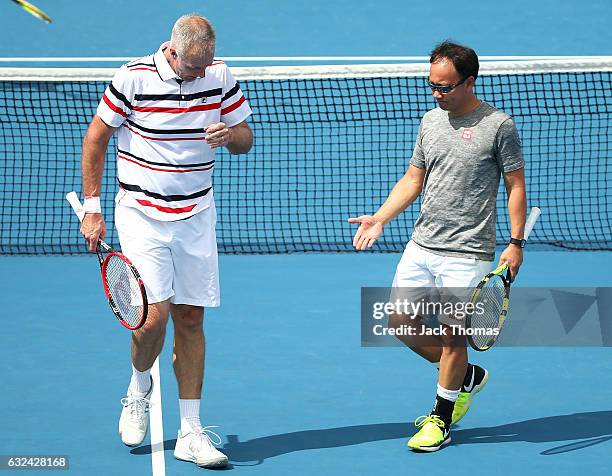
[{"x": 516, "y": 241}]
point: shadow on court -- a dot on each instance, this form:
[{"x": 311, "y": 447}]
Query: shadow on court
[
  {"x": 146, "y": 450},
  {"x": 259, "y": 449},
  {"x": 593, "y": 428}
]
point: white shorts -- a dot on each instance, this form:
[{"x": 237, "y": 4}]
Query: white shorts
[
  {"x": 421, "y": 268},
  {"x": 177, "y": 260},
  {"x": 421, "y": 271}
]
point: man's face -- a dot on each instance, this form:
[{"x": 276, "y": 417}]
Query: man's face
[
  {"x": 443, "y": 73},
  {"x": 189, "y": 67}
]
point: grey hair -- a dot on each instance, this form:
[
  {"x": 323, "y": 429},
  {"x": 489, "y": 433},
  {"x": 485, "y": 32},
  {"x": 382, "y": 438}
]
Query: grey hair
[{"x": 193, "y": 34}]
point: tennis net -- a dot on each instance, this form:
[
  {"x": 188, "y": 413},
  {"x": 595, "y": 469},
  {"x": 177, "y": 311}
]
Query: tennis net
[{"x": 330, "y": 142}]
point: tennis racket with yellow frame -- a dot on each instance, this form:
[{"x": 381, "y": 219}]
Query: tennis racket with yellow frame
[
  {"x": 491, "y": 301},
  {"x": 33, "y": 10}
]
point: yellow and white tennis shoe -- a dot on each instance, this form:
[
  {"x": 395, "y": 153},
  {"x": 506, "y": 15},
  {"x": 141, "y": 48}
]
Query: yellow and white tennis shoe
[
  {"x": 464, "y": 400},
  {"x": 432, "y": 434}
]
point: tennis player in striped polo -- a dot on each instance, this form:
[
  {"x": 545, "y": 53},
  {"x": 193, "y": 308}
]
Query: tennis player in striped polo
[
  {"x": 171, "y": 110},
  {"x": 462, "y": 148}
]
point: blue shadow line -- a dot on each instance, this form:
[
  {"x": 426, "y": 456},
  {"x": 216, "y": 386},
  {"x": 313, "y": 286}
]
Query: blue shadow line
[{"x": 593, "y": 427}]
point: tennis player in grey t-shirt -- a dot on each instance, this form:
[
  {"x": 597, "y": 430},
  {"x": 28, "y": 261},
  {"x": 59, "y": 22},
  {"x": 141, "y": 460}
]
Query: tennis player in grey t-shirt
[{"x": 462, "y": 149}]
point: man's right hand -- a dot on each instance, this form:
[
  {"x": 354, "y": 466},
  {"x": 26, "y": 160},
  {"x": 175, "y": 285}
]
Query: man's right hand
[
  {"x": 368, "y": 232},
  {"x": 93, "y": 228}
]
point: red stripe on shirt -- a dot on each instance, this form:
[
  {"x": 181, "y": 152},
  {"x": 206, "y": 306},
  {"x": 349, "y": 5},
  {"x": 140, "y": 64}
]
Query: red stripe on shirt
[
  {"x": 146, "y": 203},
  {"x": 118, "y": 110},
  {"x": 178, "y": 110},
  {"x": 142, "y": 69},
  {"x": 165, "y": 139},
  {"x": 234, "y": 106},
  {"x": 163, "y": 170}
]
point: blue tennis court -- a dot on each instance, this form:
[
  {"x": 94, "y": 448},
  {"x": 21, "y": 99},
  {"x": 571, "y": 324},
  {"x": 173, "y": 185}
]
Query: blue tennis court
[{"x": 287, "y": 379}]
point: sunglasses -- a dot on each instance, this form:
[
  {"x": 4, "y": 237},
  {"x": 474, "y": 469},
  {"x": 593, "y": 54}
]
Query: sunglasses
[{"x": 445, "y": 89}]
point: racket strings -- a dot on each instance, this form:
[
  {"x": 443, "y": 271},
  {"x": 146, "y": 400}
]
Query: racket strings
[
  {"x": 488, "y": 310},
  {"x": 124, "y": 290}
]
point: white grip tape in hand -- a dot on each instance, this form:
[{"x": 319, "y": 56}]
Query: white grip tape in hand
[
  {"x": 76, "y": 204},
  {"x": 531, "y": 219}
]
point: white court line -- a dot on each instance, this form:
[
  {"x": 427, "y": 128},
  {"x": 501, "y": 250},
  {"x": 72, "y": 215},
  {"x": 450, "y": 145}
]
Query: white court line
[
  {"x": 105, "y": 59},
  {"x": 158, "y": 462}
]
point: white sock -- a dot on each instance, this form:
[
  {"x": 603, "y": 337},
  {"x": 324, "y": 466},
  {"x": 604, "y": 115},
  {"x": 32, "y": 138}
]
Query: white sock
[
  {"x": 446, "y": 394},
  {"x": 141, "y": 381},
  {"x": 190, "y": 415}
]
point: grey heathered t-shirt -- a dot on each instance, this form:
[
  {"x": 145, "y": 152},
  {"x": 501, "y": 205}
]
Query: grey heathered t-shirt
[{"x": 463, "y": 158}]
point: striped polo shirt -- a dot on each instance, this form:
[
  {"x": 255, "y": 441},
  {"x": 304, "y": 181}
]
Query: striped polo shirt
[{"x": 164, "y": 165}]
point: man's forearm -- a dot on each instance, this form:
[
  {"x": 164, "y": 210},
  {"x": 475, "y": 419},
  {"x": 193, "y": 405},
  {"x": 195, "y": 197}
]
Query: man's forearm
[
  {"x": 405, "y": 192},
  {"x": 95, "y": 144},
  {"x": 241, "y": 139},
  {"x": 92, "y": 163},
  {"x": 517, "y": 209}
]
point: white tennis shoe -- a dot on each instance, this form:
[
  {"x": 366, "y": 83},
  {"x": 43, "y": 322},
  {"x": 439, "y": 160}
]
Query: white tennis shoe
[
  {"x": 134, "y": 419},
  {"x": 198, "y": 446}
]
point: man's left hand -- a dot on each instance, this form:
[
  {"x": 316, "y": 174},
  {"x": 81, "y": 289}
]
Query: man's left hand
[
  {"x": 513, "y": 255},
  {"x": 218, "y": 135}
]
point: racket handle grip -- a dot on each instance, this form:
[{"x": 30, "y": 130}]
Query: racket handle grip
[
  {"x": 531, "y": 219},
  {"x": 76, "y": 205}
]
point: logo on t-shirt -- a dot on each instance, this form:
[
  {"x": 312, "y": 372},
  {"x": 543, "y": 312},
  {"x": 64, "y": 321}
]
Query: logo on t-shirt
[{"x": 467, "y": 134}]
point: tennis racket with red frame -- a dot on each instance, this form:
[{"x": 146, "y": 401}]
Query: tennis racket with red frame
[{"x": 123, "y": 285}]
